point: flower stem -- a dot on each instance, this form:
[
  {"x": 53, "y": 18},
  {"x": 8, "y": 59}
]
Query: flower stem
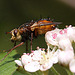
[
  {"x": 54, "y": 71},
  {"x": 45, "y": 72},
  {"x": 68, "y": 71}
]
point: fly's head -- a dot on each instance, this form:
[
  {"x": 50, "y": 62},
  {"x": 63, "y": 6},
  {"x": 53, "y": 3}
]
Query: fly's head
[{"x": 15, "y": 35}]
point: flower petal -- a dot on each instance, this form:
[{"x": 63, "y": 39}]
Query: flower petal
[
  {"x": 72, "y": 66},
  {"x": 49, "y": 38},
  {"x": 18, "y": 62},
  {"x": 32, "y": 67},
  {"x": 25, "y": 59},
  {"x": 36, "y": 55},
  {"x": 64, "y": 57},
  {"x": 46, "y": 66}
]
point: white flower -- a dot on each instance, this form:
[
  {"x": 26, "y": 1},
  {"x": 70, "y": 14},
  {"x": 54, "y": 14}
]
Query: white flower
[
  {"x": 64, "y": 57},
  {"x": 72, "y": 65},
  {"x": 64, "y": 42},
  {"x": 50, "y": 38},
  {"x": 60, "y": 37},
  {"x": 38, "y": 60},
  {"x": 71, "y": 33},
  {"x": 48, "y": 60}
]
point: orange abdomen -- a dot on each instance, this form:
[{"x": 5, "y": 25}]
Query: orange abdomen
[{"x": 43, "y": 29}]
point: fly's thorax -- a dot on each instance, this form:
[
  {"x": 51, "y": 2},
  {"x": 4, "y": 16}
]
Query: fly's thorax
[{"x": 34, "y": 26}]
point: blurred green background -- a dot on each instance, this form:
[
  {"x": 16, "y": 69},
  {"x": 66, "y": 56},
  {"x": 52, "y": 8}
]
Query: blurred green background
[{"x": 13, "y": 13}]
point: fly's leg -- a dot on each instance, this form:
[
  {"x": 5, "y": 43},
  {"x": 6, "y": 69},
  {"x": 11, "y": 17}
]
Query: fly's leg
[
  {"x": 12, "y": 49},
  {"x": 31, "y": 40}
]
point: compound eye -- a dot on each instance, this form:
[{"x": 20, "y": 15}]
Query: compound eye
[{"x": 15, "y": 32}]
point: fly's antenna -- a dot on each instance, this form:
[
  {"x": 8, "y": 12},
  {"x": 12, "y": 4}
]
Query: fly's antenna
[{"x": 8, "y": 32}]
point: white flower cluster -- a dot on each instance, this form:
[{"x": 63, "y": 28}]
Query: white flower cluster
[
  {"x": 38, "y": 60},
  {"x": 63, "y": 38}
]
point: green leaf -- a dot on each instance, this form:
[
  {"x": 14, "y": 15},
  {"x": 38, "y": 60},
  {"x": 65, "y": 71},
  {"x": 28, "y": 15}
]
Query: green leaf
[
  {"x": 54, "y": 71},
  {"x": 7, "y": 66},
  {"x": 21, "y": 71}
]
